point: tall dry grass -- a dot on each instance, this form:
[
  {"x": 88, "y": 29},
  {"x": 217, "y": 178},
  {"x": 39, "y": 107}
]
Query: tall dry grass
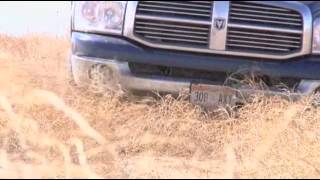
[{"x": 52, "y": 130}]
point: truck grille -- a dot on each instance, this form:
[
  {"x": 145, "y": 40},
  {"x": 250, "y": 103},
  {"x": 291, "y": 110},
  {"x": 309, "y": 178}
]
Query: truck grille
[
  {"x": 246, "y": 30},
  {"x": 274, "y": 30},
  {"x": 261, "y": 14},
  {"x": 177, "y": 23},
  {"x": 177, "y": 9}
]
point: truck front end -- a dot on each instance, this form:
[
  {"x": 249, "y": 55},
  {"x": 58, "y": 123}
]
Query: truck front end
[{"x": 206, "y": 48}]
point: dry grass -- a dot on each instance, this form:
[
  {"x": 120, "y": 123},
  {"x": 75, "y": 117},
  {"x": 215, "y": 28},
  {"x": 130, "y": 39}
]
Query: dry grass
[{"x": 51, "y": 130}]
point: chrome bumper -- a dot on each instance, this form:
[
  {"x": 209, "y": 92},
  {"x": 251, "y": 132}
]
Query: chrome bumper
[{"x": 122, "y": 75}]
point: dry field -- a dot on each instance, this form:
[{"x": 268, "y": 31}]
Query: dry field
[{"x": 49, "y": 129}]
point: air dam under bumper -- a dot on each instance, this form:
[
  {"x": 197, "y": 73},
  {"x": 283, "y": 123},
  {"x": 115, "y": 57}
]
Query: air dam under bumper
[{"x": 116, "y": 52}]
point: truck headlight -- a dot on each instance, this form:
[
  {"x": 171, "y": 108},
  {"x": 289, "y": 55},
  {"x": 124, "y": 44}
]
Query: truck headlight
[
  {"x": 316, "y": 36},
  {"x": 99, "y": 16}
]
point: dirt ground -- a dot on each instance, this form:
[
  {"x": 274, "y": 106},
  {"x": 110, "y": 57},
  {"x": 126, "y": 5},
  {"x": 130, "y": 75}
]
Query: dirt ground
[{"x": 49, "y": 129}]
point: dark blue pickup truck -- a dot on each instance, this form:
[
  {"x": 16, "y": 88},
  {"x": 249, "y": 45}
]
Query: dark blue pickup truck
[{"x": 215, "y": 50}]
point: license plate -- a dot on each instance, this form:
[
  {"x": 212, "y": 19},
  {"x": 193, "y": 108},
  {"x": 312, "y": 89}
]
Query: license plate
[{"x": 213, "y": 96}]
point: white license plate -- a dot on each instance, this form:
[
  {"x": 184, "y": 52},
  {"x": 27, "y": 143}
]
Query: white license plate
[{"x": 213, "y": 96}]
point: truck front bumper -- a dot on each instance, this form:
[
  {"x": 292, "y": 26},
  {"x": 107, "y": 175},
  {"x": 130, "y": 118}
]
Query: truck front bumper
[
  {"x": 122, "y": 75},
  {"x": 115, "y": 53}
]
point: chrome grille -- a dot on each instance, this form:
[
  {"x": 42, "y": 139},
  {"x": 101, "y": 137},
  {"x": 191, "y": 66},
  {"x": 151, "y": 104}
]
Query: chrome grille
[
  {"x": 173, "y": 33},
  {"x": 177, "y": 23},
  {"x": 247, "y": 30},
  {"x": 263, "y": 41},
  {"x": 261, "y": 14},
  {"x": 182, "y": 9},
  {"x": 260, "y": 29}
]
